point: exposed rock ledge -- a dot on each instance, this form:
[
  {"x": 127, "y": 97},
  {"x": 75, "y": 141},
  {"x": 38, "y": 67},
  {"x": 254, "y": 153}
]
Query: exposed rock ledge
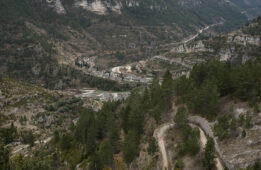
[
  {"x": 198, "y": 47},
  {"x": 244, "y": 40}
]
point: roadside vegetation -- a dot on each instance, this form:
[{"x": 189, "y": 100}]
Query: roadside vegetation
[{"x": 96, "y": 136}]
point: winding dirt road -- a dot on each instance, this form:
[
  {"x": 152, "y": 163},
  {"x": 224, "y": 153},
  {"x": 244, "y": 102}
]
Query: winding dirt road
[
  {"x": 205, "y": 130},
  {"x": 159, "y": 135}
]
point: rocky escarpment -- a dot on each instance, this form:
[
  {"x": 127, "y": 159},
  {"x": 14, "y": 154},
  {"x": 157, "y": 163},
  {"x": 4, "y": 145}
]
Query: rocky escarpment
[
  {"x": 197, "y": 47},
  {"x": 244, "y": 40},
  {"x": 57, "y": 5},
  {"x": 238, "y": 46}
]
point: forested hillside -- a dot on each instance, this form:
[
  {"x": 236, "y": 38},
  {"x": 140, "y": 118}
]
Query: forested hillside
[
  {"x": 201, "y": 109},
  {"x": 97, "y": 139},
  {"x": 38, "y": 44}
]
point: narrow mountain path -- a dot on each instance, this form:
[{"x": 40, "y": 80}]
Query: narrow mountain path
[
  {"x": 191, "y": 38},
  {"x": 184, "y": 42},
  {"x": 159, "y": 135}
]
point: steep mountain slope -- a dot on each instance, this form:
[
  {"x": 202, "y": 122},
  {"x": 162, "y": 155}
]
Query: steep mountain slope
[
  {"x": 249, "y": 7},
  {"x": 42, "y": 40}
]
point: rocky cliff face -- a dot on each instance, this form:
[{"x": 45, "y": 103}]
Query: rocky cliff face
[
  {"x": 239, "y": 46},
  {"x": 193, "y": 48},
  {"x": 57, "y": 5}
]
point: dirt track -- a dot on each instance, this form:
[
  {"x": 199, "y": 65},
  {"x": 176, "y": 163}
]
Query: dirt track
[{"x": 205, "y": 130}]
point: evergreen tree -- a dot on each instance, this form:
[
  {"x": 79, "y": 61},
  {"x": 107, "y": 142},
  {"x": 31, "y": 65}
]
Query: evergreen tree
[
  {"x": 95, "y": 162},
  {"x": 209, "y": 162},
  {"x": 28, "y": 138},
  {"x": 106, "y": 153},
  {"x": 130, "y": 146},
  {"x": 66, "y": 142},
  {"x": 182, "y": 86},
  {"x": 243, "y": 134},
  {"x": 248, "y": 121},
  {"x": 125, "y": 118},
  {"x": 181, "y": 118},
  {"x": 179, "y": 165},
  {"x": 114, "y": 138},
  {"x": 91, "y": 140},
  {"x": 205, "y": 100},
  {"x": 167, "y": 83},
  {"x": 4, "y": 157},
  {"x": 153, "y": 146},
  {"x": 56, "y": 136}
]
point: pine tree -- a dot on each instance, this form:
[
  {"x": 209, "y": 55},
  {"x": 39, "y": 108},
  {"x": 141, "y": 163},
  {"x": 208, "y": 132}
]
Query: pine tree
[
  {"x": 4, "y": 157},
  {"x": 181, "y": 118},
  {"x": 66, "y": 142},
  {"x": 153, "y": 146},
  {"x": 106, "y": 153},
  {"x": 95, "y": 162},
  {"x": 56, "y": 137},
  {"x": 130, "y": 146},
  {"x": 209, "y": 162},
  {"x": 114, "y": 137}
]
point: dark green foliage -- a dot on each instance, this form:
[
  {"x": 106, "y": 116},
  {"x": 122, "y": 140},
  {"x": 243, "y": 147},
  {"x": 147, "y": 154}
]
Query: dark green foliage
[
  {"x": 55, "y": 161},
  {"x": 94, "y": 127},
  {"x": 190, "y": 136},
  {"x": 233, "y": 124},
  {"x": 241, "y": 119},
  {"x": 155, "y": 100},
  {"x": 221, "y": 128},
  {"x": 256, "y": 108},
  {"x": 204, "y": 101},
  {"x": 182, "y": 86},
  {"x": 66, "y": 142},
  {"x": 56, "y": 136},
  {"x": 28, "y": 137},
  {"x": 212, "y": 80},
  {"x": 179, "y": 165},
  {"x": 91, "y": 129},
  {"x": 95, "y": 162},
  {"x": 209, "y": 155},
  {"x": 181, "y": 118},
  {"x": 119, "y": 56},
  {"x": 243, "y": 134},
  {"x": 106, "y": 153},
  {"x": 255, "y": 166},
  {"x": 130, "y": 147},
  {"x": 248, "y": 121},
  {"x": 190, "y": 143},
  {"x": 159, "y": 97},
  {"x": 4, "y": 157},
  {"x": 153, "y": 146},
  {"x": 125, "y": 117},
  {"x": 114, "y": 137},
  {"x": 8, "y": 134}
]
